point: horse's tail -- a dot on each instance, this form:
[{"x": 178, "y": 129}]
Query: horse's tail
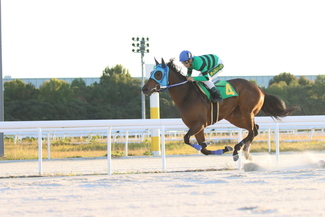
[{"x": 275, "y": 107}]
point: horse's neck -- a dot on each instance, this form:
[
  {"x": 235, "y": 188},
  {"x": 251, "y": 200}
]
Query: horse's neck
[{"x": 182, "y": 92}]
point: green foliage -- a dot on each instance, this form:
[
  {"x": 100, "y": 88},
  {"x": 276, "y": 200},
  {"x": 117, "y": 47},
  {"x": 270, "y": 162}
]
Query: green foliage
[
  {"x": 118, "y": 96},
  {"x": 319, "y": 87},
  {"x": 305, "y": 81},
  {"x": 19, "y": 90},
  {"x": 55, "y": 91},
  {"x": 278, "y": 88},
  {"x": 28, "y": 110},
  {"x": 303, "y": 93},
  {"x": 80, "y": 89},
  {"x": 284, "y": 76}
]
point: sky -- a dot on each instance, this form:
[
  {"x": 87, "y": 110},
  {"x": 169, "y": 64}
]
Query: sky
[{"x": 79, "y": 38}]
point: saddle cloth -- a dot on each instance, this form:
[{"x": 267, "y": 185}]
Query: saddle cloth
[{"x": 224, "y": 87}]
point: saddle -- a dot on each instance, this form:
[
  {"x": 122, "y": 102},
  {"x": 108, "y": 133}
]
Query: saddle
[{"x": 226, "y": 90}]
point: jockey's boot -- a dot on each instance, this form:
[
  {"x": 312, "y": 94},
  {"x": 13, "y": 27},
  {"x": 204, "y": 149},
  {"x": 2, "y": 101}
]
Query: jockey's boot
[{"x": 215, "y": 95}]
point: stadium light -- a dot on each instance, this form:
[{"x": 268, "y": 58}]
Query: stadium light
[{"x": 141, "y": 46}]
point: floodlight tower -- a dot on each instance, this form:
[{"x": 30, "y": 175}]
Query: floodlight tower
[{"x": 141, "y": 46}]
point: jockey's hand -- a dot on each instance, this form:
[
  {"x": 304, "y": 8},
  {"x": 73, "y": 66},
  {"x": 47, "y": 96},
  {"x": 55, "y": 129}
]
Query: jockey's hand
[{"x": 189, "y": 78}]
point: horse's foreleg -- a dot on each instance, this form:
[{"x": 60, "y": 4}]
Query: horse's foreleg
[
  {"x": 200, "y": 138},
  {"x": 192, "y": 131},
  {"x": 202, "y": 144},
  {"x": 198, "y": 131}
]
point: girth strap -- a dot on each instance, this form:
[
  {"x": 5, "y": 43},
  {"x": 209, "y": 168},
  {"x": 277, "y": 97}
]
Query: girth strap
[{"x": 214, "y": 112}]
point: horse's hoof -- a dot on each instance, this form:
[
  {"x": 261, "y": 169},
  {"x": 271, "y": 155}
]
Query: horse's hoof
[
  {"x": 205, "y": 144},
  {"x": 236, "y": 157},
  {"x": 205, "y": 151},
  {"x": 248, "y": 157}
]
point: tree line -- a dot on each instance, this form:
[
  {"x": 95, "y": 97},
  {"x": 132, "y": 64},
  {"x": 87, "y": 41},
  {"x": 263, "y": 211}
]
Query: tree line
[{"x": 118, "y": 96}]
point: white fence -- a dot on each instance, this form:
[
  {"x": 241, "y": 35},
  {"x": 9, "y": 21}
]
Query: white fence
[{"x": 292, "y": 122}]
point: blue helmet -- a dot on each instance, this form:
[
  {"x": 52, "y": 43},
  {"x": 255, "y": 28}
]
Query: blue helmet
[{"x": 185, "y": 55}]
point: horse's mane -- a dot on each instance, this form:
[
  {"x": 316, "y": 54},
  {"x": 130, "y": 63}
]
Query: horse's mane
[
  {"x": 174, "y": 67},
  {"x": 178, "y": 71}
]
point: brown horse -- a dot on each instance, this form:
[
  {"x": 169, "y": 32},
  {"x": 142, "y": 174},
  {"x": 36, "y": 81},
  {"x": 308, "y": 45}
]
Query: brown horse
[{"x": 195, "y": 108}]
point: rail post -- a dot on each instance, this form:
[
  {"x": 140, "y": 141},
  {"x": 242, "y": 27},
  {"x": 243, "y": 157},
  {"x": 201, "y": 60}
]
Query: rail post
[
  {"x": 40, "y": 156},
  {"x": 163, "y": 147},
  {"x": 155, "y": 133},
  {"x": 109, "y": 150},
  {"x": 277, "y": 143}
]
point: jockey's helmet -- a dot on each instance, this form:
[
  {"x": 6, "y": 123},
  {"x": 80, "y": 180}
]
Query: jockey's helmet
[{"x": 185, "y": 55}]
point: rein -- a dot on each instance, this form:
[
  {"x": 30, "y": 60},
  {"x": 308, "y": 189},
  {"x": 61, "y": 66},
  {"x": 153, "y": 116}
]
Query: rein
[{"x": 173, "y": 85}]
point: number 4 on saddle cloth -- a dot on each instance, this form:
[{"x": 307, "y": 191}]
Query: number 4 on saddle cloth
[{"x": 224, "y": 87}]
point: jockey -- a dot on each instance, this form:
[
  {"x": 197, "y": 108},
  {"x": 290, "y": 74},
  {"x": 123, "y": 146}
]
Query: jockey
[{"x": 209, "y": 65}]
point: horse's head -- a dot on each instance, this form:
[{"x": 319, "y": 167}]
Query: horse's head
[{"x": 158, "y": 77}]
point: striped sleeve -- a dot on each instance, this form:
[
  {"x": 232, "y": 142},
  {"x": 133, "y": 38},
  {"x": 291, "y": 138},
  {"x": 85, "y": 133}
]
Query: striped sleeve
[{"x": 208, "y": 62}]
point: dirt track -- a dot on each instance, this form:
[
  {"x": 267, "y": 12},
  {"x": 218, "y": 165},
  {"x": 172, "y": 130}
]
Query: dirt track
[{"x": 295, "y": 188}]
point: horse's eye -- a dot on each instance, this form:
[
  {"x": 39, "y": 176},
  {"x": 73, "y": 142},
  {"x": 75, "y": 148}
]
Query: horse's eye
[{"x": 158, "y": 75}]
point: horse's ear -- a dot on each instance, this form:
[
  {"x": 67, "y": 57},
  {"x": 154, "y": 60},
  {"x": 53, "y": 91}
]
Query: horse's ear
[
  {"x": 163, "y": 63},
  {"x": 156, "y": 61}
]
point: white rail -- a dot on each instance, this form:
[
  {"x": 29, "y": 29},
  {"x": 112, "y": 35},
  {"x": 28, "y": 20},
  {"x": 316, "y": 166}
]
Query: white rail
[{"x": 162, "y": 124}]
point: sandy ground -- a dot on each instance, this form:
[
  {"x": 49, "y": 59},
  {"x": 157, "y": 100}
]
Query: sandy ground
[{"x": 295, "y": 187}]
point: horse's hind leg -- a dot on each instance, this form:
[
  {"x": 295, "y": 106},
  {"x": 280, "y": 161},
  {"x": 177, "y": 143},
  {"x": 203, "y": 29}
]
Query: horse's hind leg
[
  {"x": 246, "y": 121},
  {"x": 248, "y": 143}
]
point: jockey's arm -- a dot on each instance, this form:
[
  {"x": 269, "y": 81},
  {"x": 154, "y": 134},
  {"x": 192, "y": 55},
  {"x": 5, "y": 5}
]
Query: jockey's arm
[
  {"x": 204, "y": 77},
  {"x": 189, "y": 72}
]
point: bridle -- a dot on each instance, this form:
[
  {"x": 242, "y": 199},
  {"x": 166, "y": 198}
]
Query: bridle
[{"x": 163, "y": 81}]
